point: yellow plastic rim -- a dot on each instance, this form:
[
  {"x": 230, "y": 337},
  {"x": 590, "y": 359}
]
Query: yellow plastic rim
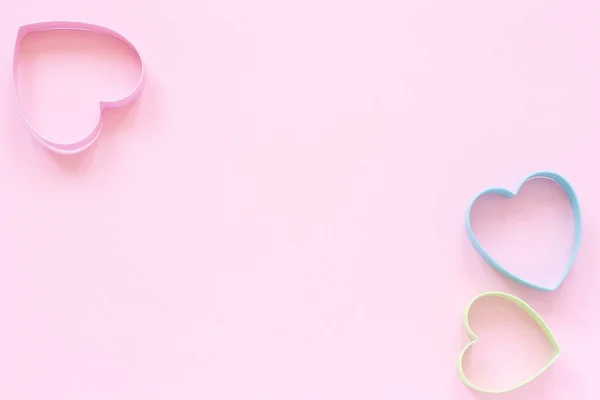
[{"x": 532, "y": 314}]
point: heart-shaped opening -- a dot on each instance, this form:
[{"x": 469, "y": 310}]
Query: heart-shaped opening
[
  {"x": 531, "y": 235},
  {"x": 511, "y": 348},
  {"x": 63, "y": 75}
]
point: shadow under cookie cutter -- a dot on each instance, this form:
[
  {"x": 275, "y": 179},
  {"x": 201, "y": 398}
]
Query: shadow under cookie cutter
[
  {"x": 570, "y": 192},
  {"x": 532, "y": 314},
  {"x": 87, "y": 140}
]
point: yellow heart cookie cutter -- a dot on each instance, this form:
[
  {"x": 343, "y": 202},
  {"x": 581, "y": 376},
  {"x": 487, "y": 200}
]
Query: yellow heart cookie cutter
[{"x": 532, "y": 314}]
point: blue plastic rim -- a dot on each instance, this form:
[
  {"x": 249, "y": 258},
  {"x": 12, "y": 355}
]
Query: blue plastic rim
[{"x": 566, "y": 186}]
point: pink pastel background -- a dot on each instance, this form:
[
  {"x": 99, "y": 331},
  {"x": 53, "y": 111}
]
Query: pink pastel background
[{"x": 281, "y": 214}]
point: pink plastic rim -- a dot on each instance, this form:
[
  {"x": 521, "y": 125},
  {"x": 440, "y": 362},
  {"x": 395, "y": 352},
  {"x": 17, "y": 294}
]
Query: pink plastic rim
[{"x": 87, "y": 140}]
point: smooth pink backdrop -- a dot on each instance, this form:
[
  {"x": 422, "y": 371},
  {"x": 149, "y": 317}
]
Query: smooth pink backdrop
[{"x": 281, "y": 214}]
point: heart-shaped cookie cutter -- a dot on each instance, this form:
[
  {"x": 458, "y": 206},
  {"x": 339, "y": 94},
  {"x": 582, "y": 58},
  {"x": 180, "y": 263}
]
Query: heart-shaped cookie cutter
[
  {"x": 532, "y": 314},
  {"x": 86, "y": 141},
  {"x": 566, "y": 186}
]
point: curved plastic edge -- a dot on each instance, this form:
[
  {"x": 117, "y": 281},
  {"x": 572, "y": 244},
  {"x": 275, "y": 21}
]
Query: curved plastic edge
[
  {"x": 566, "y": 186},
  {"x": 532, "y": 314},
  {"x": 85, "y": 142}
]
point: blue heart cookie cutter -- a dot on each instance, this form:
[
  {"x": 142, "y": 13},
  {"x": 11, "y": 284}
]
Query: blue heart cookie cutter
[{"x": 566, "y": 186}]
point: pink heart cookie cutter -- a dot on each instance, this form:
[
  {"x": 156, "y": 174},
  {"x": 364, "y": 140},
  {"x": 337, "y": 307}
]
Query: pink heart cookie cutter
[{"x": 86, "y": 141}]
